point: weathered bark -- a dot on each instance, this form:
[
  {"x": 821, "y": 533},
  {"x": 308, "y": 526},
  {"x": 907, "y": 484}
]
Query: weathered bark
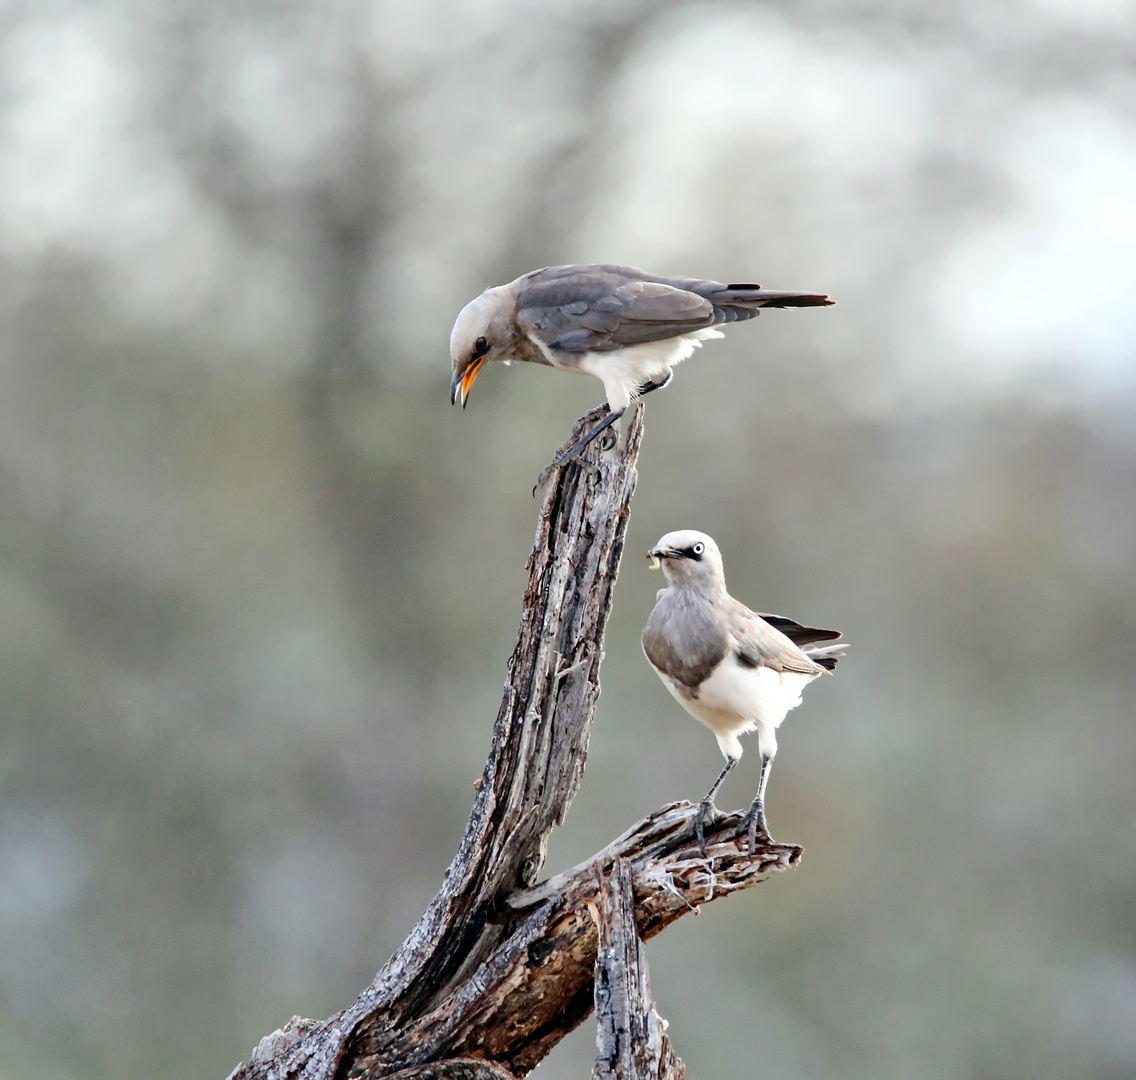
[
  {"x": 498, "y": 969},
  {"x": 455, "y": 1069},
  {"x": 631, "y": 1037}
]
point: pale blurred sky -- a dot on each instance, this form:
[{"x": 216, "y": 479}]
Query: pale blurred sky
[
  {"x": 1045, "y": 279},
  {"x": 1055, "y": 277}
]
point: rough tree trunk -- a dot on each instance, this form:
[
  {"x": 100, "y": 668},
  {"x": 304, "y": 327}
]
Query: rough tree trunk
[
  {"x": 631, "y": 1040},
  {"x": 499, "y": 969}
]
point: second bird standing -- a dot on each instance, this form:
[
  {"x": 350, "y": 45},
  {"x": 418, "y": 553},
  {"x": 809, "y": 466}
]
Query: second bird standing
[{"x": 733, "y": 670}]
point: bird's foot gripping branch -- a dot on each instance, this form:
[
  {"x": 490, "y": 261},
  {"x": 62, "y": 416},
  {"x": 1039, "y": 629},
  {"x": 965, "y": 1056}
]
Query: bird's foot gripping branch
[
  {"x": 583, "y": 436},
  {"x": 500, "y": 968}
]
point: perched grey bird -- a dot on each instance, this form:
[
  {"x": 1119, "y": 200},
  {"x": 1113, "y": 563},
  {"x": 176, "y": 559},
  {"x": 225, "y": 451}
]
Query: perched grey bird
[
  {"x": 731, "y": 669},
  {"x": 627, "y": 327}
]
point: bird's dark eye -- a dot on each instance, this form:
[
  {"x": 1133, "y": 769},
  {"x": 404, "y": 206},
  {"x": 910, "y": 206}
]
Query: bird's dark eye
[
  {"x": 698, "y": 549},
  {"x": 480, "y": 347}
]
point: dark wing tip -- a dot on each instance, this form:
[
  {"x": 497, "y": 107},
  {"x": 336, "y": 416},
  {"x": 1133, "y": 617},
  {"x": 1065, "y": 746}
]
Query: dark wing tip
[
  {"x": 798, "y": 633},
  {"x": 747, "y": 295},
  {"x": 803, "y": 300}
]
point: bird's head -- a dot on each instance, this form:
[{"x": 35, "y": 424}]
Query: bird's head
[
  {"x": 483, "y": 332},
  {"x": 688, "y": 556}
]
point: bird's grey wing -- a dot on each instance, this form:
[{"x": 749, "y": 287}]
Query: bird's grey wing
[
  {"x": 602, "y": 308},
  {"x": 739, "y": 301},
  {"x": 685, "y": 640},
  {"x": 758, "y": 644}
]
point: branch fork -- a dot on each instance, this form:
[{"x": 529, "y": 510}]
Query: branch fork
[{"x": 500, "y": 968}]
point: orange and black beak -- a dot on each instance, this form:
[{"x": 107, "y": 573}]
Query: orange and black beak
[{"x": 464, "y": 382}]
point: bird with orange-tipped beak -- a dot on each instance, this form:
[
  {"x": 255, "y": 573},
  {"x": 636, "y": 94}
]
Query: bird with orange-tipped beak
[{"x": 624, "y": 326}]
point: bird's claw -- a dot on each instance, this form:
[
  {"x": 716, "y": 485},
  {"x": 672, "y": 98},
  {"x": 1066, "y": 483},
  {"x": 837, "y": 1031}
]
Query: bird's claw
[
  {"x": 563, "y": 457},
  {"x": 548, "y": 470},
  {"x": 609, "y": 440},
  {"x": 707, "y": 812},
  {"x": 752, "y": 823}
]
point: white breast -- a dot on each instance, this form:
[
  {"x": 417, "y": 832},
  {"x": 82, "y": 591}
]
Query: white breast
[
  {"x": 623, "y": 371},
  {"x": 737, "y": 699}
]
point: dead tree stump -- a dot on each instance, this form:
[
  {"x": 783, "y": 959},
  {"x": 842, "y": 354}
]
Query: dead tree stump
[{"x": 499, "y": 968}]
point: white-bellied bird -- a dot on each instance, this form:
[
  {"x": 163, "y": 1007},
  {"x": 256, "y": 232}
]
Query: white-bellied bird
[
  {"x": 733, "y": 670},
  {"x": 625, "y": 326}
]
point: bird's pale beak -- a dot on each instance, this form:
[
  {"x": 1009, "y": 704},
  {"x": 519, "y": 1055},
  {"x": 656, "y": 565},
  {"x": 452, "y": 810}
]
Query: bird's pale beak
[{"x": 463, "y": 383}]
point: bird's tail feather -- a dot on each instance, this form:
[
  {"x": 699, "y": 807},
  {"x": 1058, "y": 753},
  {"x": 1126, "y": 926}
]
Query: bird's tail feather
[
  {"x": 826, "y": 655},
  {"x": 747, "y": 295}
]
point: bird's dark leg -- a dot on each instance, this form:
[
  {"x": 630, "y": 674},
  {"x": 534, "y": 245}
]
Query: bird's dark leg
[
  {"x": 655, "y": 384},
  {"x": 574, "y": 449},
  {"x": 645, "y": 388},
  {"x": 610, "y": 438},
  {"x": 581, "y": 444},
  {"x": 754, "y": 821},
  {"x": 707, "y": 811}
]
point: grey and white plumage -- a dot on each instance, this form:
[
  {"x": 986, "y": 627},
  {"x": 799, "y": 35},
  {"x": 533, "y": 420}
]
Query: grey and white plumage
[
  {"x": 627, "y": 327},
  {"x": 732, "y": 669}
]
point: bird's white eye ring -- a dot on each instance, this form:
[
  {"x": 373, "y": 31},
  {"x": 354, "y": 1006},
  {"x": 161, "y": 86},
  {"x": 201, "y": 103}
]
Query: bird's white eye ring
[{"x": 698, "y": 548}]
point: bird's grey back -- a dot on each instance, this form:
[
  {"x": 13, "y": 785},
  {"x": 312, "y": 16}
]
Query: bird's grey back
[{"x": 603, "y": 306}]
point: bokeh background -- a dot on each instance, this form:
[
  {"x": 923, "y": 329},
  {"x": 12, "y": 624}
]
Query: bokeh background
[{"x": 258, "y": 580}]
